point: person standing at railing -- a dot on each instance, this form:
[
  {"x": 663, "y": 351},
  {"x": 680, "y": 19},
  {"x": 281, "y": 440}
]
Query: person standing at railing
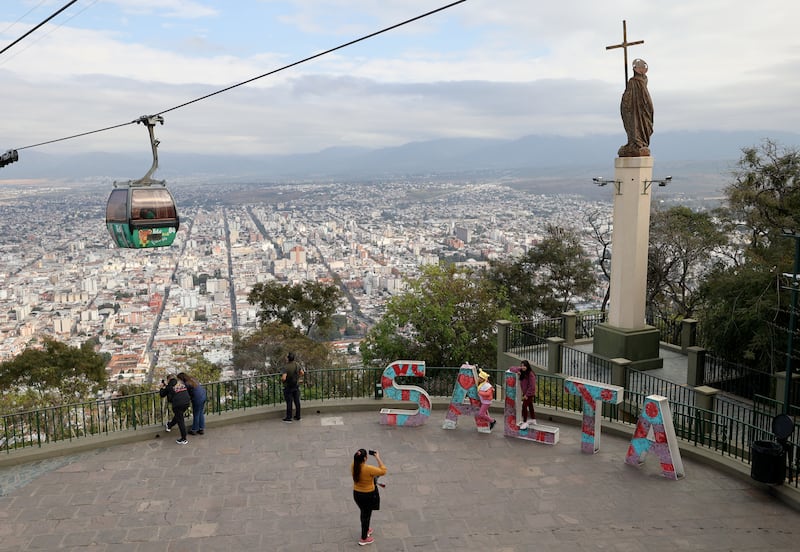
[
  {"x": 527, "y": 384},
  {"x": 486, "y": 394},
  {"x": 290, "y": 376},
  {"x": 178, "y": 395},
  {"x": 198, "y": 395}
]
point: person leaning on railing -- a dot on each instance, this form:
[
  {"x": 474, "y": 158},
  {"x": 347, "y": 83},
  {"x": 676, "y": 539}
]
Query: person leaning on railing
[
  {"x": 198, "y": 395},
  {"x": 178, "y": 396}
]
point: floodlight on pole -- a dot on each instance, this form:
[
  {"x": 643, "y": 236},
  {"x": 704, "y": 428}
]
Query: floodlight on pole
[
  {"x": 600, "y": 181},
  {"x": 661, "y": 183}
]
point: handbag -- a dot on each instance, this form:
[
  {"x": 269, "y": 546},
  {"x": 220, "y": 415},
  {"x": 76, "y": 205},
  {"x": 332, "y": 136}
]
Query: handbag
[{"x": 376, "y": 497}]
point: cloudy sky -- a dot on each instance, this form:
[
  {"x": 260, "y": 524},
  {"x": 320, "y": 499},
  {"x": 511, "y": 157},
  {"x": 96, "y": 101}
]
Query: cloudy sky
[{"x": 482, "y": 68}]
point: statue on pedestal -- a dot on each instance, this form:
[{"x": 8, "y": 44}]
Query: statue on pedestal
[{"x": 637, "y": 113}]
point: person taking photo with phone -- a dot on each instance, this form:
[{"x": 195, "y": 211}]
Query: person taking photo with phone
[{"x": 365, "y": 490}]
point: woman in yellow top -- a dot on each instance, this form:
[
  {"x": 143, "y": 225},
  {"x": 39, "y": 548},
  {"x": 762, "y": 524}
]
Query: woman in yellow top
[{"x": 364, "y": 488}]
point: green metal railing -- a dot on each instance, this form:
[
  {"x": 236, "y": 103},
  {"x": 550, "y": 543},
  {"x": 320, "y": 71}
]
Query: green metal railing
[
  {"x": 527, "y": 344},
  {"x": 729, "y": 435},
  {"x": 580, "y": 364},
  {"x": 586, "y": 322},
  {"x": 102, "y": 417}
]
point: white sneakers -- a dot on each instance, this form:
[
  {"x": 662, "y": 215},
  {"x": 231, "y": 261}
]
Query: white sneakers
[{"x": 523, "y": 425}]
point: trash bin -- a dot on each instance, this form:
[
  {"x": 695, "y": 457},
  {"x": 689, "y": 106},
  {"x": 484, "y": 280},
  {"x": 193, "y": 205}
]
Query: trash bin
[{"x": 768, "y": 462}]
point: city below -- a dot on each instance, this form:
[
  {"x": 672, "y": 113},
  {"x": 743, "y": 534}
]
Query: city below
[{"x": 61, "y": 277}]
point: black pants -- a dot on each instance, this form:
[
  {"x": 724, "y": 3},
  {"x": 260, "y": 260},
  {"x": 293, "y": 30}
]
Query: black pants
[
  {"x": 364, "y": 501},
  {"x": 177, "y": 419},
  {"x": 292, "y": 395}
]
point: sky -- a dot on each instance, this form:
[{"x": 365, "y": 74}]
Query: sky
[{"x": 481, "y": 68}]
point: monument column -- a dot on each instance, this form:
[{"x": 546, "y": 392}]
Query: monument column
[
  {"x": 626, "y": 335},
  {"x": 629, "y": 238}
]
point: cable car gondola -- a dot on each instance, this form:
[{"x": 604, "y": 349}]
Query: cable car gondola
[{"x": 142, "y": 213}]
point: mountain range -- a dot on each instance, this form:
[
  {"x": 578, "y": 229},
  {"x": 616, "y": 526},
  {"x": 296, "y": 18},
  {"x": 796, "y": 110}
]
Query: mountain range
[{"x": 712, "y": 152}]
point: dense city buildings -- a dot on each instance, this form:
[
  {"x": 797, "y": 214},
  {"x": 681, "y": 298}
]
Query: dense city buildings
[{"x": 60, "y": 275}]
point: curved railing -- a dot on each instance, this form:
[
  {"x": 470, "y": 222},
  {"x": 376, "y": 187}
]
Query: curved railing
[{"x": 728, "y": 435}]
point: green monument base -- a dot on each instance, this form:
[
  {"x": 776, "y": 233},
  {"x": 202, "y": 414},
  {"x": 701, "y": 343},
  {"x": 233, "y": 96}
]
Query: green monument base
[{"x": 641, "y": 347}]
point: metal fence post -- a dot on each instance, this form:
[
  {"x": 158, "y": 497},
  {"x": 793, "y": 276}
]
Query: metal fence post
[
  {"x": 570, "y": 319},
  {"x": 503, "y": 327},
  {"x": 619, "y": 372},
  {"x": 688, "y": 333},
  {"x": 695, "y": 370},
  {"x": 554, "y": 355},
  {"x": 704, "y": 400}
]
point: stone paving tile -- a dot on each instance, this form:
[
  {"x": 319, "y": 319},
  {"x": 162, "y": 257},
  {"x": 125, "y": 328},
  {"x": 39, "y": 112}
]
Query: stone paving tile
[{"x": 264, "y": 485}]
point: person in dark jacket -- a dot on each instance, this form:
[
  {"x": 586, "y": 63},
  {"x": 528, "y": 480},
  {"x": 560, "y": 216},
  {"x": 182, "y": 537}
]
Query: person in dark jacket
[
  {"x": 198, "y": 395},
  {"x": 178, "y": 395},
  {"x": 290, "y": 376}
]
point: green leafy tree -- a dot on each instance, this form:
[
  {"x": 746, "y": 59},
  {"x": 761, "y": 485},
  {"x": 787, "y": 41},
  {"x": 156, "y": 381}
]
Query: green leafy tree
[
  {"x": 201, "y": 369},
  {"x": 309, "y": 304},
  {"x": 57, "y": 373},
  {"x": 547, "y": 279},
  {"x": 127, "y": 389},
  {"x": 764, "y": 197},
  {"x": 685, "y": 246},
  {"x": 265, "y": 350},
  {"x": 18, "y": 400},
  {"x": 446, "y": 317},
  {"x": 738, "y": 315},
  {"x": 744, "y": 311},
  {"x": 194, "y": 364}
]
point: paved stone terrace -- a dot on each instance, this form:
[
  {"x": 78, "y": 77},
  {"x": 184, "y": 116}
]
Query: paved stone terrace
[{"x": 269, "y": 486}]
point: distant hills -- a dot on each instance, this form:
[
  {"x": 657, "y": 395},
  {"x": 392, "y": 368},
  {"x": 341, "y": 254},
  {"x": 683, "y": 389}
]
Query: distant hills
[{"x": 674, "y": 152}]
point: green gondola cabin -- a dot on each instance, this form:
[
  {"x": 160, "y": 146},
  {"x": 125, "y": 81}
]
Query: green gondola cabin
[
  {"x": 141, "y": 217},
  {"x": 141, "y": 213}
]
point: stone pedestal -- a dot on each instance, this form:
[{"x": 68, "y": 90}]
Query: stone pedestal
[
  {"x": 640, "y": 347},
  {"x": 626, "y": 335}
]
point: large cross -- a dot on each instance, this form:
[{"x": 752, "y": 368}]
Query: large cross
[{"x": 624, "y": 45}]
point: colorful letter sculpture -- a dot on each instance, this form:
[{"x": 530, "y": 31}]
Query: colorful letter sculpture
[
  {"x": 655, "y": 432},
  {"x": 539, "y": 433},
  {"x": 465, "y": 401},
  {"x": 593, "y": 394},
  {"x": 408, "y": 393}
]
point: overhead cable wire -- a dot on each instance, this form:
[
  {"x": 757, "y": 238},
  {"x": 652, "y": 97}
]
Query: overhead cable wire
[
  {"x": 39, "y": 25},
  {"x": 21, "y": 17},
  {"x": 226, "y": 89},
  {"x": 67, "y": 20}
]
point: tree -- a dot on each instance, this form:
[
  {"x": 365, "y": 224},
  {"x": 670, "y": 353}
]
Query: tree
[
  {"x": 264, "y": 351},
  {"x": 128, "y": 389},
  {"x": 197, "y": 366},
  {"x": 742, "y": 311},
  {"x": 685, "y": 246},
  {"x": 446, "y": 317},
  {"x": 309, "y": 304},
  {"x": 547, "y": 278},
  {"x": 57, "y": 373},
  {"x": 765, "y": 195},
  {"x": 601, "y": 227},
  {"x": 738, "y": 314}
]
